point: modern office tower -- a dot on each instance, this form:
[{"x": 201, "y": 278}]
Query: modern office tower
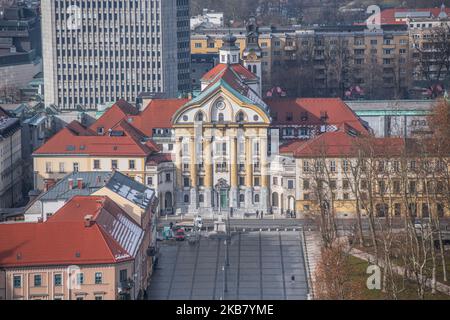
[{"x": 98, "y": 51}]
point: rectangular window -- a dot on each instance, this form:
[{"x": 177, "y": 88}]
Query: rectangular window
[
  {"x": 37, "y": 280},
  {"x": 305, "y": 166},
  {"x": 98, "y": 278},
  {"x": 290, "y": 184},
  {"x": 345, "y": 165},
  {"x": 333, "y": 166},
  {"x": 333, "y": 184},
  {"x": 113, "y": 164},
  {"x": 61, "y": 167},
  {"x": 168, "y": 177},
  {"x": 396, "y": 186},
  {"x": 96, "y": 164},
  {"x": 345, "y": 184},
  {"x": 75, "y": 167},
  {"x": 57, "y": 280},
  {"x": 48, "y": 167},
  {"x": 305, "y": 184},
  {"x": 241, "y": 181},
  {"x": 80, "y": 278},
  {"x": 17, "y": 281},
  {"x": 123, "y": 276},
  {"x": 131, "y": 164},
  {"x": 256, "y": 182},
  {"x": 149, "y": 181}
]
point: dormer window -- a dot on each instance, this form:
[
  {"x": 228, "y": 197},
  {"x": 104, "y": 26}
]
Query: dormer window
[
  {"x": 304, "y": 116},
  {"x": 100, "y": 131},
  {"x": 289, "y": 116}
]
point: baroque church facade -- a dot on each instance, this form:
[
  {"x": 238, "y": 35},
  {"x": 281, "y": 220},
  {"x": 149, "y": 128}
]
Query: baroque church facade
[{"x": 222, "y": 139}]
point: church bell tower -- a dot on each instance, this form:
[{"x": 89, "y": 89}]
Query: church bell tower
[{"x": 252, "y": 53}]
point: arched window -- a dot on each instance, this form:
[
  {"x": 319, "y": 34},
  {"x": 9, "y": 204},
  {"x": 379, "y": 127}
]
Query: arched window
[
  {"x": 221, "y": 117},
  {"x": 199, "y": 116},
  {"x": 274, "y": 199},
  {"x": 241, "y": 198},
  {"x": 240, "y": 117},
  {"x": 168, "y": 200},
  {"x": 249, "y": 67},
  {"x": 186, "y": 198},
  {"x": 256, "y": 198},
  {"x": 201, "y": 198}
]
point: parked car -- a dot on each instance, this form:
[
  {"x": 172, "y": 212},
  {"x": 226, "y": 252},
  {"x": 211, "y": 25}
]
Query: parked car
[
  {"x": 180, "y": 235},
  {"x": 198, "y": 222}
]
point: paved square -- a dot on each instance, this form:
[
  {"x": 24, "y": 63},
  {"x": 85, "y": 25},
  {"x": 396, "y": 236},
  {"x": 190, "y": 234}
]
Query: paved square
[{"x": 262, "y": 265}]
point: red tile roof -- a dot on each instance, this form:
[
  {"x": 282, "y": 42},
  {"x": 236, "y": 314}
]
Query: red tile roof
[
  {"x": 158, "y": 114},
  {"x": 243, "y": 73},
  {"x": 291, "y": 146},
  {"x": 117, "y": 112},
  {"x": 388, "y": 15},
  {"x": 159, "y": 158},
  {"x": 341, "y": 143},
  {"x": 335, "y": 110},
  {"x": 64, "y": 239},
  {"x": 59, "y": 243},
  {"x": 78, "y": 129},
  {"x": 68, "y": 142},
  {"x": 234, "y": 75}
]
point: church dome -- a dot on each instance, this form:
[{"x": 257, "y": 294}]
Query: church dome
[{"x": 229, "y": 42}]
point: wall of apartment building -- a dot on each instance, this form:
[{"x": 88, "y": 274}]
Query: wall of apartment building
[
  {"x": 11, "y": 170},
  {"x": 426, "y": 65},
  {"x": 48, "y": 290},
  {"x": 56, "y": 167},
  {"x": 281, "y": 50}
]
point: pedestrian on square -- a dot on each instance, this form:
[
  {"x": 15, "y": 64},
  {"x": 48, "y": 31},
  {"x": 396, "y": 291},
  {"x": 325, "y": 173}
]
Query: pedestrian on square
[{"x": 257, "y": 214}]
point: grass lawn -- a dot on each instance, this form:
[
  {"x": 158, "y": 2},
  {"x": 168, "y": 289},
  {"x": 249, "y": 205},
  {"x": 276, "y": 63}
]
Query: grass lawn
[
  {"x": 359, "y": 268},
  {"x": 369, "y": 248}
]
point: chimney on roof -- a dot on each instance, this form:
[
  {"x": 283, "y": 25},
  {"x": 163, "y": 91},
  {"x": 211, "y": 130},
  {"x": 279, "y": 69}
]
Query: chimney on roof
[
  {"x": 49, "y": 183},
  {"x": 80, "y": 183},
  {"x": 88, "y": 220},
  {"x": 70, "y": 183}
]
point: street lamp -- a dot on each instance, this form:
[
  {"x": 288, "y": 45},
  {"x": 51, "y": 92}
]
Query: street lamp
[{"x": 227, "y": 254}]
